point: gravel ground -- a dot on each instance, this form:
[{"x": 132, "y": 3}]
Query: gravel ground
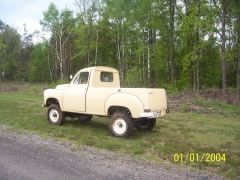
[{"x": 28, "y": 156}]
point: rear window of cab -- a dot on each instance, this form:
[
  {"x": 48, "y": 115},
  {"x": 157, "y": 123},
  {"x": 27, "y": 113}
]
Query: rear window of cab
[{"x": 106, "y": 76}]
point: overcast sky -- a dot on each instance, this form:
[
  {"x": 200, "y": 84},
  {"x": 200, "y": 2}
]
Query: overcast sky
[{"x": 17, "y": 12}]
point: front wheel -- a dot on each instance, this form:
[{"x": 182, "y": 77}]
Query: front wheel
[
  {"x": 122, "y": 125},
  {"x": 55, "y": 115},
  {"x": 146, "y": 124}
]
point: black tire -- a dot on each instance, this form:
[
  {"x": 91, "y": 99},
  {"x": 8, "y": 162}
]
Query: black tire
[
  {"x": 146, "y": 124},
  {"x": 125, "y": 126},
  {"x": 55, "y": 115},
  {"x": 84, "y": 118}
]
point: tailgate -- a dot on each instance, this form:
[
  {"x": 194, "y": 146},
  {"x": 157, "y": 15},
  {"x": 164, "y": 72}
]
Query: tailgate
[{"x": 157, "y": 99}]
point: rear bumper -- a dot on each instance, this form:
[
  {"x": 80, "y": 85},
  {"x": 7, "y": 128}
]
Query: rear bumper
[{"x": 150, "y": 115}]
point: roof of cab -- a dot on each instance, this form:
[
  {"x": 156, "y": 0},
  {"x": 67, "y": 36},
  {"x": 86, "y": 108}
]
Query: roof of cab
[{"x": 100, "y": 68}]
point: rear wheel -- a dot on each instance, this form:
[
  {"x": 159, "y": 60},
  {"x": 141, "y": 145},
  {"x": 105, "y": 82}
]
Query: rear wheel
[
  {"x": 146, "y": 124},
  {"x": 55, "y": 115},
  {"x": 122, "y": 125}
]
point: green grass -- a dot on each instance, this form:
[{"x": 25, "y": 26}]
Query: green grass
[{"x": 178, "y": 132}]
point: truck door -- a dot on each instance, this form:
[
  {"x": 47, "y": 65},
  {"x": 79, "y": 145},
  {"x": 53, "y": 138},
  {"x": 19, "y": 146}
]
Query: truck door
[{"x": 74, "y": 98}]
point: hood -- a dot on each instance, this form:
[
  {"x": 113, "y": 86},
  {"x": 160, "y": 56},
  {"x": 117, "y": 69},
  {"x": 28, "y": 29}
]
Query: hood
[{"x": 62, "y": 86}]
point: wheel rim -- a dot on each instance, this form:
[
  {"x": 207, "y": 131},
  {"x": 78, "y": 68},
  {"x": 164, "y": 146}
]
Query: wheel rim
[
  {"x": 120, "y": 126},
  {"x": 54, "y": 115}
]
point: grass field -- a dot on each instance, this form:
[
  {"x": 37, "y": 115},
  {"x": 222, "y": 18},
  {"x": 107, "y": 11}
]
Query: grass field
[{"x": 179, "y": 132}]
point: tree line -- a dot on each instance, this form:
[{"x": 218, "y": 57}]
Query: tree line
[{"x": 175, "y": 44}]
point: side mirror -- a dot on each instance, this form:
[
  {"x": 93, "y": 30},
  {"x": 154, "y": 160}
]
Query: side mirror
[{"x": 71, "y": 76}]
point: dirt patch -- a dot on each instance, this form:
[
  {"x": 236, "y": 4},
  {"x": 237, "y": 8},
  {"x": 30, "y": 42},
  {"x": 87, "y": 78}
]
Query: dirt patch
[
  {"x": 185, "y": 100},
  {"x": 12, "y": 87},
  {"x": 176, "y": 102},
  {"x": 230, "y": 97}
]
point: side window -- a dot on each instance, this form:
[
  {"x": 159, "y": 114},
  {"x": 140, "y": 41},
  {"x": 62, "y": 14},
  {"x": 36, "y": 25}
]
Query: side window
[
  {"x": 83, "y": 78},
  {"x": 76, "y": 79},
  {"x": 106, "y": 77}
]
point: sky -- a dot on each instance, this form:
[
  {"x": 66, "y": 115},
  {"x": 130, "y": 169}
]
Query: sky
[{"x": 17, "y": 12}]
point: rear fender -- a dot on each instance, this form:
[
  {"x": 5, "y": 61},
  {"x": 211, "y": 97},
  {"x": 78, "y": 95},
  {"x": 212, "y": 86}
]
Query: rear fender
[{"x": 129, "y": 101}]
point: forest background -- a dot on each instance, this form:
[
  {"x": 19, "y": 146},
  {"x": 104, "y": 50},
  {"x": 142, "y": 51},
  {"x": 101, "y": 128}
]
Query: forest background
[{"x": 175, "y": 44}]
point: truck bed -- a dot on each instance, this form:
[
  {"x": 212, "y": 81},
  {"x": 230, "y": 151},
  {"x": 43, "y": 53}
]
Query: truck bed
[{"x": 156, "y": 98}]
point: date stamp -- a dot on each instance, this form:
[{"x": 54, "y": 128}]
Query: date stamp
[{"x": 197, "y": 157}]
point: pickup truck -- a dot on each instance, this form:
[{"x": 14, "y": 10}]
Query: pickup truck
[{"x": 96, "y": 91}]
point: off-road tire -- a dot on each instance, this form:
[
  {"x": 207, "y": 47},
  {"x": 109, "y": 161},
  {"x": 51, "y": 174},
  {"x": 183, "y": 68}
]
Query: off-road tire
[
  {"x": 55, "y": 115},
  {"x": 146, "y": 124},
  {"x": 84, "y": 118},
  {"x": 125, "y": 125}
]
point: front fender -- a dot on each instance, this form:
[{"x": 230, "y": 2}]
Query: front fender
[
  {"x": 129, "y": 101},
  {"x": 54, "y": 94}
]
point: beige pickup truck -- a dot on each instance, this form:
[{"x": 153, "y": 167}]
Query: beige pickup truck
[{"x": 97, "y": 91}]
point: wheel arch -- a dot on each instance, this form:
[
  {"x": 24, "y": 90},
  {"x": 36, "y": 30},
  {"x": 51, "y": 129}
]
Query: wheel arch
[
  {"x": 51, "y": 101},
  {"x": 113, "y": 109}
]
